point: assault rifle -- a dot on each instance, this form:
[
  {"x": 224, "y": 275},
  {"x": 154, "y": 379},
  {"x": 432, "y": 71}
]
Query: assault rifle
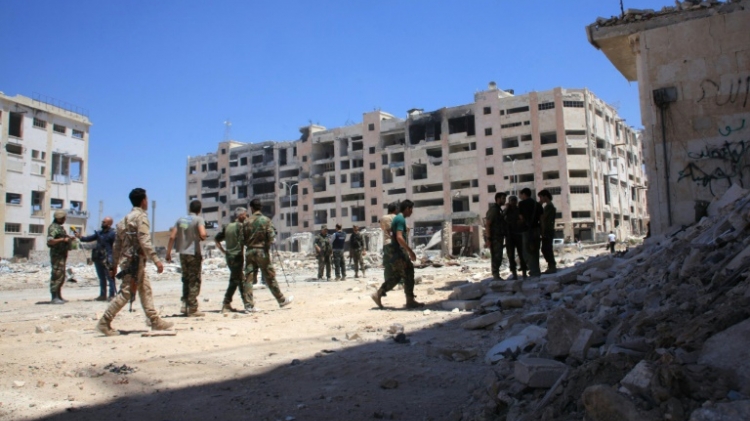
[{"x": 132, "y": 270}]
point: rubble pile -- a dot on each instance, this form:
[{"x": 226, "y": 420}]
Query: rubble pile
[
  {"x": 658, "y": 333},
  {"x": 639, "y": 15}
]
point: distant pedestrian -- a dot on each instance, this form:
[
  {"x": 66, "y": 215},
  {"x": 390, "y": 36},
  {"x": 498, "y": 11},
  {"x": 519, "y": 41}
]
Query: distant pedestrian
[
  {"x": 186, "y": 237},
  {"x": 58, "y": 242},
  {"x": 323, "y": 253},
  {"x": 495, "y": 231},
  {"x": 101, "y": 255},
  {"x": 548, "y": 230},
  {"x": 356, "y": 251},
  {"x": 612, "y": 241},
  {"x": 338, "y": 241}
]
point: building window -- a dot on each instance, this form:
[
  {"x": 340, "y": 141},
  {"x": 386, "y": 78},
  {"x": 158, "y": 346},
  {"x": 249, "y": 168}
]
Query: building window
[
  {"x": 332, "y": 212},
  {"x": 374, "y": 219},
  {"x": 56, "y": 203},
  {"x": 527, "y": 123},
  {"x": 223, "y": 151},
  {"x": 304, "y": 190},
  {"x": 502, "y": 112},
  {"x": 371, "y": 127},
  {"x": 16, "y": 125},
  {"x": 344, "y": 212},
  {"x": 573, "y": 104},
  {"x": 343, "y": 178},
  {"x": 554, "y": 190},
  {"x": 490, "y": 171},
  {"x": 549, "y": 152},
  {"x": 78, "y": 134},
  {"x": 12, "y": 228},
  {"x": 304, "y": 208},
  {"x": 304, "y": 224},
  {"x": 510, "y": 125},
  {"x": 475, "y": 198},
  {"x": 491, "y": 188},
  {"x": 551, "y": 175},
  {"x": 581, "y": 214},
  {"x": 488, "y": 131},
  {"x": 223, "y": 185},
  {"x": 510, "y": 142},
  {"x": 39, "y": 123},
  {"x": 13, "y": 198},
  {"x": 304, "y": 158},
  {"x": 373, "y": 183},
  {"x": 487, "y": 110},
  {"x": 488, "y": 151},
  {"x": 57, "y": 128},
  {"x": 578, "y": 173},
  {"x": 372, "y": 165},
  {"x": 332, "y": 179},
  {"x": 579, "y": 189},
  {"x": 14, "y": 149},
  {"x": 372, "y": 150},
  {"x": 384, "y": 159},
  {"x": 546, "y": 106},
  {"x": 576, "y": 151},
  {"x": 518, "y": 110},
  {"x": 374, "y": 201},
  {"x": 548, "y": 138},
  {"x": 36, "y": 229}
]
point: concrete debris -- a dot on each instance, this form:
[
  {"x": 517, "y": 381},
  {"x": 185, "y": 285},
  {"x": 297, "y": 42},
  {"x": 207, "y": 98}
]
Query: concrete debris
[
  {"x": 483, "y": 321},
  {"x": 538, "y": 372},
  {"x": 729, "y": 411}
]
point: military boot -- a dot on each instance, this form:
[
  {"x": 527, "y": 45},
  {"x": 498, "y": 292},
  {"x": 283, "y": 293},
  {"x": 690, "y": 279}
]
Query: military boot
[
  {"x": 412, "y": 303},
  {"x": 227, "y": 308},
  {"x": 288, "y": 300},
  {"x": 515, "y": 276},
  {"x": 195, "y": 313},
  {"x": 377, "y": 297},
  {"x": 56, "y": 299},
  {"x": 356, "y": 274},
  {"x": 183, "y": 308},
  {"x": 159, "y": 324},
  {"x": 105, "y": 326}
]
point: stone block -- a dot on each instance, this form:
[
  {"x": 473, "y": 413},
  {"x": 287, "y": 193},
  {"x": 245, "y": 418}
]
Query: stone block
[
  {"x": 468, "y": 291},
  {"x": 489, "y": 300},
  {"x": 604, "y": 404},
  {"x": 729, "y": 350},
  {"x": 482, "y": 321},
  {"x": 563, "y": 327},
  {"x": 599, "y": 275},
  {"x": 549, "y": 286},
  {"x": 581, "y": 344},
  {"x": 583, "y": 279},
  {"x": 506, "y": 286},
  {"x": 531, "y": 335},
  {"x": 730, "y": 411},
  {"x": 512, "y": 301},
  {"x": 638, "y": 380},
  {"x": 460, "y": 304},
  {"x": 538, "y": 372}
]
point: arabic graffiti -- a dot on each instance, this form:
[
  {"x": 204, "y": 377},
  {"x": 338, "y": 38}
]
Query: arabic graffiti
[
  {"x": 730, "y": 129},
  {"x": 732, "y": 169},
  {"x": 736, "y": 91}
]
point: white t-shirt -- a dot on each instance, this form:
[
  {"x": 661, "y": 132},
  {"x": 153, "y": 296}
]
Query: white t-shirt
[{"x": 612, "y": 238}]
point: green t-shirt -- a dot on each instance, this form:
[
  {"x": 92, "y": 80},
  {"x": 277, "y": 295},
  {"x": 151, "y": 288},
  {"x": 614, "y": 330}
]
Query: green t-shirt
[
  {"x": 398, "y": 224},
  {"x": 232, "y": 236}
]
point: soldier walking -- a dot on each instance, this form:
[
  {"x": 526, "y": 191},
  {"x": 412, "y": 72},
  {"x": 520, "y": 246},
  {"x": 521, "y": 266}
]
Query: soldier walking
[
  {"x": 403, "y": 256},
  {"x": 58, "y": 242},
  {"x": 323, "y": 252},
  {"x": 258, "y": 235},
  {"x": 495, "y": 232},
  {"x": 338, "y": 242},
  {"x": 234, "y": 252},
  {"x": 385, "y": 226},
  {"x": 132, "y": 248},
  {"x": 548, "y": 230},
  {"x": 357, "y": 250},
  {"x": 187, "y": 234}
]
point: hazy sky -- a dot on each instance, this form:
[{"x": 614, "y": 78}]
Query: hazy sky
[{"x": 159, "y": 78}]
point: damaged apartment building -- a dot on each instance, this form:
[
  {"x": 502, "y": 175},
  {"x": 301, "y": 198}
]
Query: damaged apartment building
[
  {"x": 450, "y": 162},
  {"x": 43, "y": 167}
]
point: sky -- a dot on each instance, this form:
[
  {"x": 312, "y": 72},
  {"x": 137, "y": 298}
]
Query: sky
[{"x": 159, "y": 78}]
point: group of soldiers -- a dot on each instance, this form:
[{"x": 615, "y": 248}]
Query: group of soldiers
[
  {"x": 331, "y": 247},
  {"x": 521, "y": 227}
]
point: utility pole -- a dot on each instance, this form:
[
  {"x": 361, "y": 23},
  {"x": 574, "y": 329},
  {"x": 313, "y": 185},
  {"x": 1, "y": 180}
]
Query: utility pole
[
  {"x": 153, "y": 219},
  {"x": 101, "y": 210}
]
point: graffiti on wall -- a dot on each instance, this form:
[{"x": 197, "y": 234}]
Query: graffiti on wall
[
  {"x": 728, "y": 165},
  {"x": 737, "y": 92}
]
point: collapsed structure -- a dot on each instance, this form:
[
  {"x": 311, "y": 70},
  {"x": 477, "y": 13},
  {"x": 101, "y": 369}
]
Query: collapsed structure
[{"x": 450, "y": 162}]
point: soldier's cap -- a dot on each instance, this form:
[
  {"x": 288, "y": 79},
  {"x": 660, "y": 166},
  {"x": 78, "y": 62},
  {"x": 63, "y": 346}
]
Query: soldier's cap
[
  {"x": 60, "y": 214},
  {"x": 324, "y": 227},
  {"x": 239, "y": 211}
]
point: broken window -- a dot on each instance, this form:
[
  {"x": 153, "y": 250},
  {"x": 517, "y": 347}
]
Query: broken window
[
  {"x": 581, "y": 214},
  {"x": 518, "y": 110},
  {"x": 387, "y": 176},
  {"x": 213, "y": 166},
  {"x": 548, "y": 138},
  {"x": 551, "y": 175},
  {"x": 243, "y": 161},
  {"x": 384, "y": 159},
  {"x": 76, "y": 169},
  {"x": 343, "y": 178},
  {"x": 56, "y": 203},
  {"x": 15, "y": 125},
  {"x": 257, "y": 159},
  {"x": 38, "y": 155},
  {"x": 549, "y": 152},
  {"x": 428, "y": 188},
  {"x": 373, "y": 183},
  {"x": 487, "y": 110},
  {"x": 419, "y": 171},
  {"x": 344, "y": 212},
  {"x": 523, "y": 178},
  {"x": 282, "y": 157},
  {"x": 345, "y": 164},
  {"x": 371, "y": 127},
  {"x": 13, "y": 198},
  {"x": 192, "y": 169},
  {"x": 332, "y": 179},
  {"x": 333, "y": 213},
  {"x": 464, "y": 147},
  {"x": 78, "y": 134},
  {"x": 463, "y": 124},
  {"x": 575, "y": 132},
  {"x": 14, "y": 149},
  {"x": 510, "y": 142},
  {"x": 37, "y": 198},
  {"x": 210, "y": 184},
  {"x": 578, "y": 173},
  {"x": 576, "y": 151},
  {"x": 490, "y": 171},
  {"x": 374, "y": 201}
]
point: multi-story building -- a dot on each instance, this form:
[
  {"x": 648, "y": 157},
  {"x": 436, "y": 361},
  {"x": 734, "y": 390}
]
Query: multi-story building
[
  {"x": 450, "y": 162},
  {"x": 43, "y": 168}
]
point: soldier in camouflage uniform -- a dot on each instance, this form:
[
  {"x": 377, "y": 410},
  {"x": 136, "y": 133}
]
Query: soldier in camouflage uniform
[
  {"x": 258, "y": 235},
  {"x": 232, "y": 235},
  {"x": 58, "y": 242},
  {"x": 323, "y": 251},
  {"x": 132, "y": 248},
  {"x": 357, "y": 250}
]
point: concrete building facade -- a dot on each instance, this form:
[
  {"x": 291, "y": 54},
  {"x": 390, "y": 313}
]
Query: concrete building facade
[
  {"x": 43, "y": 168},
  {"x": 450, "y": 162},
  {"x": 692, "y": 64}
]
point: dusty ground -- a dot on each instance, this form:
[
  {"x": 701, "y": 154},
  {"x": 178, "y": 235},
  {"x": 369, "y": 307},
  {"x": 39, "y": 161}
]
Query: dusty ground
[{"x": 295, "y": 363}]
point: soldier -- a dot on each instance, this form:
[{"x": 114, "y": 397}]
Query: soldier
[
  {"x": 58, "y": 242},
  {"x": 101, "y": 255},
  {"x": 323, "y": 252},
  {"x": 357, "y": 250},
  {"x": 514, "y": 241},
  {"x": 548, "y": 230},
  {"x": 495, "y": 232},
  {"x": 403, "y": 256},
  {"x": 187, "y": 234},
  {"x": 258, "y": 235},
  {"x": 531, "y": 214},
  {"x": 232, "y": 235},
  {"x": 385, "y": 226},
  {"x": 338, "y": 242},
  {"x": 132, "y": 248}
]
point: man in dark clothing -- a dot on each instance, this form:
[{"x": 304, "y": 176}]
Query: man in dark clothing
[
  {"x": 548, "y": 230},
  {"x": 101, "y": 255},
  {"x": 357, "y": 250},
  {"x": 494, "y": 233},
  {"x": 531, "y": 213},
  {"x": 337, "y": 243},
  {"x": 513, "y": 240}
]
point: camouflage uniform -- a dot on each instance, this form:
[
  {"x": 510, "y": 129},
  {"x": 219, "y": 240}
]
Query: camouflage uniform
[
  {"x": 385, "y": 226},
  {"x": 496, "y": 219},
  {"x": 258, "y": 235},
  {"x": 357, "y": 244},
  {"x": 232, "y": 234},
  {"x": 58, "y": 254},
  {"x": 134, "y": 239},
  {"x": 191, "y": 280},
  {"x": 324, "y": 257}
]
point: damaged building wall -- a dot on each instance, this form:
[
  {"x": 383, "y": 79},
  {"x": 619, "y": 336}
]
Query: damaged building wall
[{"x": 692, "y": 64}]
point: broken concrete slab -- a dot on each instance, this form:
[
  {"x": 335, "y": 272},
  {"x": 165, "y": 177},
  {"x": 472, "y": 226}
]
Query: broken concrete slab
[
  {"x": 538, "y": 373},
  {"x": 464, "y": 305},
  {"x": 580, "y": 347},
  {"x": 549, "y": 286},
  {"x": 506, "y": 286},
  {"x": 469, "y": 291},
  {"x": 638, "y": 380},
  {"x": 563, "y": 327},
  {"x": 730, "y": 196},
  {"x": 729, "y": 350},
  {"x": 729, "y": 411},
  {"x": 482, "y": 321},
  {"x": 604, "y": 404},
  {"x": 531, "y": 335},
  {"x": 512, "y": 301}
]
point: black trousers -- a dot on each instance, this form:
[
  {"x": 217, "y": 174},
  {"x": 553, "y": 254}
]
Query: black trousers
[
  {"x": 513, "y": 244},
  {"x": 548, "y": 252}
]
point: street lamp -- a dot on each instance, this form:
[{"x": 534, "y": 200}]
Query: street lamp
[
  {"x": 289, "y": 189},
  {"x": 514, "y": 180}
]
